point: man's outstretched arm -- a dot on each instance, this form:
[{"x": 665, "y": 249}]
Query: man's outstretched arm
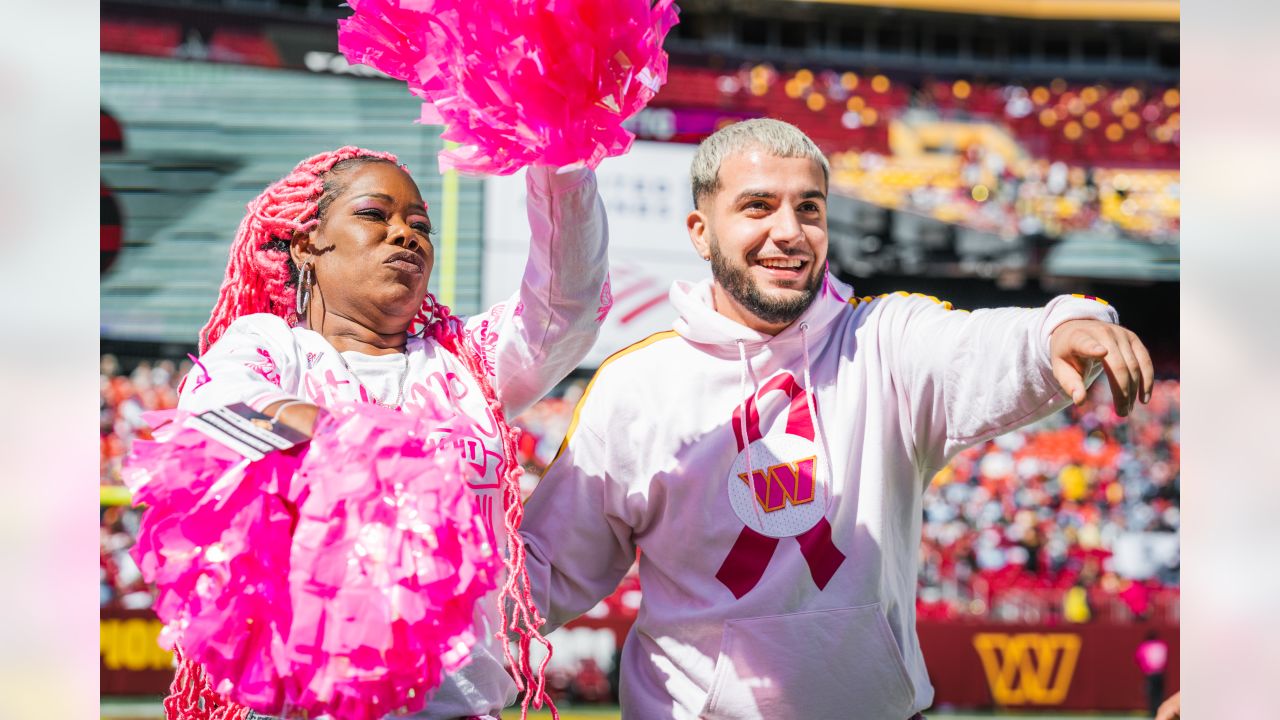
[{"x": 967, "y": 377}]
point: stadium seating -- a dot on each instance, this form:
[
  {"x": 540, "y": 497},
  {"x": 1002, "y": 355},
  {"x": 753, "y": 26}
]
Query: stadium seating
[
  {"x": 998, "y": 157},
  {"x": 203, "y": 140}
]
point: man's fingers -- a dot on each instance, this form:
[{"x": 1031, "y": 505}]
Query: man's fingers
[
  {"x": 1124, "y": 345},
  {"x": 1148, "y": 368},
  {"x": 1119, "y": 376},
  {"x": 1086, "y": 345},
  {"x": 1069, "y": 379}
]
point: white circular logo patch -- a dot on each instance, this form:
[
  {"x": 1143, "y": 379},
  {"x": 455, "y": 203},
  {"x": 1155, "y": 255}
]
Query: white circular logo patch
[{"x": 784, "y": 497}]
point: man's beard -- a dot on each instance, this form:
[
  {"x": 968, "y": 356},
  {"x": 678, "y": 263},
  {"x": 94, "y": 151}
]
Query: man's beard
[{"x": 737, "y": 281}]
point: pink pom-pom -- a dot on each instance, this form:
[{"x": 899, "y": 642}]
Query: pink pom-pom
[
  {"x": 518, "y": 82},
  {"x": 340, "y": 579}
]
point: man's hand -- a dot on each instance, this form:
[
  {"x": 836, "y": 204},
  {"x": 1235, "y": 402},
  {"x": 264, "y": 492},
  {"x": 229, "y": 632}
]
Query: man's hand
[{"x": 1124, "y": 358}]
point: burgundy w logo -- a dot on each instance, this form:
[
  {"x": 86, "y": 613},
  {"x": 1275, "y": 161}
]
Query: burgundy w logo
[{"x": 783, "y": 484}]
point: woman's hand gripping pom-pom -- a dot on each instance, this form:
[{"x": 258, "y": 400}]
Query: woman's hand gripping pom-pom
[{"x": 340, "y": 579}]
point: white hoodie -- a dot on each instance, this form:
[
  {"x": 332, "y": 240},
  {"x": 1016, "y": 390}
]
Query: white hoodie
[
  {"x": 528, "y": 344},
  {"x": 800, "y": 603}
]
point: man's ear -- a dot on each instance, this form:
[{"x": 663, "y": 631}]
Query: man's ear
[{"x": 699, "y": 234}]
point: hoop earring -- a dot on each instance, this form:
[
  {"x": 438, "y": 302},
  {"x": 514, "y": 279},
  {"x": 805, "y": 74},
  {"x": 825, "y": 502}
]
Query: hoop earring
[
  {"x": 306, "y": 278},
  {"x": 428, "y": 314}
]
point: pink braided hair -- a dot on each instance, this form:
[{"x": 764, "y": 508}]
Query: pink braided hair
[{"x": 259, "y": 276}]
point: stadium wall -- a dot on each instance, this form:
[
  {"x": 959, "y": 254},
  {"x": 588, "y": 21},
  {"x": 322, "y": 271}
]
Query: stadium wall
[{"x": 1072, "y": 668}]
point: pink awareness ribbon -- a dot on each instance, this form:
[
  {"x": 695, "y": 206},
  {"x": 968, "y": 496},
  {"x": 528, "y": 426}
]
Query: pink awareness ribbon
[{"x": 747, "y": 560}]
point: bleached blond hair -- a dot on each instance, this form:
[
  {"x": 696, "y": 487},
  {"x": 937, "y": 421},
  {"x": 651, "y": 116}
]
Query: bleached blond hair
[{"x": 778, "y": 138}]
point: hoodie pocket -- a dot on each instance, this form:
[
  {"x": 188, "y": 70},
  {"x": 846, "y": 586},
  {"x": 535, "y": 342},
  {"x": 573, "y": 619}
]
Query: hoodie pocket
[{"x": 840, "y": 663}]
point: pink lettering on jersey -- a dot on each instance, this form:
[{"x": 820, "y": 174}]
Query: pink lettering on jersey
[
  {"x": 606, "y": 301},
  {"x": 488, "y": 465},
  {"x": 265, "y": 366},
  {"x": 484, "y": 339},
  {"x": 323, "y": 391},
  {"x": 478, "y": 455}
]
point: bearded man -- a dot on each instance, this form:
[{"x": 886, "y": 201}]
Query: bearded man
[{"x": 768, "y": 455}]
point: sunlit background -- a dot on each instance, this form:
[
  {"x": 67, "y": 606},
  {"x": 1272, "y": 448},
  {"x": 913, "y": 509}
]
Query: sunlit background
[{"x": 989, "y": 153}]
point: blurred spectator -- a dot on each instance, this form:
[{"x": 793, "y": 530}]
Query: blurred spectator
[
  {"x": 542, "y": 428},
  {"x": 1075, "y": 604},
  {"x": 1152, "y": 657},
  {"x": 122, "y": 401},
  {"x": 120, "y": 581},
  {"x": 1171, "y": 709}
]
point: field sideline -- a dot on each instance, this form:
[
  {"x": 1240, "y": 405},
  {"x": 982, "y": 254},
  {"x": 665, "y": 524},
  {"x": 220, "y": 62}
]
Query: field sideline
[{"x": 151, "y": 710}]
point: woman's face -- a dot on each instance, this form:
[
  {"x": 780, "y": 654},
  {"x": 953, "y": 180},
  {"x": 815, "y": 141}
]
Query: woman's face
[{"x": 371, "y": 251}]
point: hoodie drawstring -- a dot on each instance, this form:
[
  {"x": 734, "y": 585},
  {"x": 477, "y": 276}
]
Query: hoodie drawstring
[
  {"x": 746, "y": 439},
  {"x": 809, "y": 390}
]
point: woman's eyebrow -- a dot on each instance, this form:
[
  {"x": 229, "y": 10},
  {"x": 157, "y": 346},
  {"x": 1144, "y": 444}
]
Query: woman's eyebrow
[{"x": 383, "y": 196}]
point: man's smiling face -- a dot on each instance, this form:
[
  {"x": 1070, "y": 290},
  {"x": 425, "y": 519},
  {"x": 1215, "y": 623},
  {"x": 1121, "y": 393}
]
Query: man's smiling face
[{"x": 765, "y": 232}]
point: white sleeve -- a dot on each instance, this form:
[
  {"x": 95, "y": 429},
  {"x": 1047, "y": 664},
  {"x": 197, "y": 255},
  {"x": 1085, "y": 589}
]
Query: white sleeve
[
  {"x": 254, "y": 362},
  {"x": 577, "y": 529},
  {"x": 535, "y": 338},
  {"x": 968, "y": 377}
]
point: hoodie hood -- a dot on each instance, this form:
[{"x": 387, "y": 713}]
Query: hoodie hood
[{"x": 700, "y": 323}]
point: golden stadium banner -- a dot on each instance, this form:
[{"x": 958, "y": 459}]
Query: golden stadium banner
[
  {"x": 1087, "y": 668},
  {"x": 131, "y": 662}
]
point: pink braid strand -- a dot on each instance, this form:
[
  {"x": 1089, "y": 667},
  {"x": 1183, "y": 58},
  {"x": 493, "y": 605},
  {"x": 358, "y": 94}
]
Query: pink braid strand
[
  {"x": 517, "y": 590},
  {"x": 191, "y": 697}
]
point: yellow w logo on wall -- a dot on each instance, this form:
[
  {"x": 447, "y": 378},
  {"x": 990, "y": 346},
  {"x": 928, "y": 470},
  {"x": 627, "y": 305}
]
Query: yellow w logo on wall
[{"x": 1028, "y": 668}]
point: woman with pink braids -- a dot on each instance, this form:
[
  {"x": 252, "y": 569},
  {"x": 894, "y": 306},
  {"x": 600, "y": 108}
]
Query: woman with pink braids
[{"x": 326, "y": 301}]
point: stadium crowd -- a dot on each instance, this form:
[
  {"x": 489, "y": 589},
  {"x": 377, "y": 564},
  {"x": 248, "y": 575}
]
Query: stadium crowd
[
  {"x": 123, "y": 400},
  {"x": 1023, "y": 527},
  {"x": 1026, "y": 526}
]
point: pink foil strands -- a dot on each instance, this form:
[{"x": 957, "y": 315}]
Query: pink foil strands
[
  {"x": 518, "y": 82},
  {"x": 337, "y": 580}
]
